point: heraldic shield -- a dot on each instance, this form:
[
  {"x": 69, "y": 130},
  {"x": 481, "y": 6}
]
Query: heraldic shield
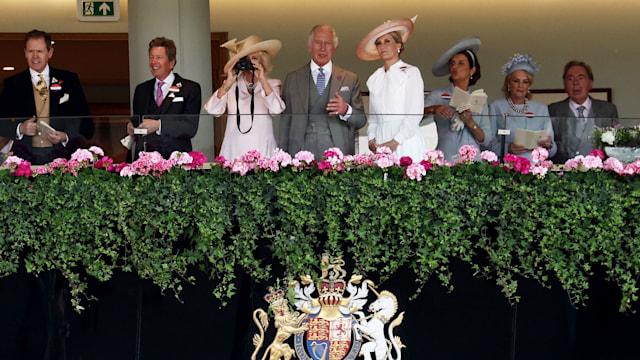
[{"x": 331, "y": 326}]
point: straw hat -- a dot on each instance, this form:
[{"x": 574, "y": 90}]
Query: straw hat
[
  {"x": 441, "y": 67},
  {"x": 251, "y": 44},
  {"x": 366, "y": 50}
]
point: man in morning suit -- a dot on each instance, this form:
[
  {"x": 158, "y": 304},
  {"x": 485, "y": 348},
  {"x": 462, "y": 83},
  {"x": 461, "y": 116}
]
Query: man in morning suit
[
  {"x": 42, "y": 94},
  {"x": 575, "y": 117},
  {"x": 166, "y": 94},
  {"x": 324, "y": 107}
]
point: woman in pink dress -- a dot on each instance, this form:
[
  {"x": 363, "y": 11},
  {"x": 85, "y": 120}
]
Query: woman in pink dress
[{"x": 249, "y": 97}]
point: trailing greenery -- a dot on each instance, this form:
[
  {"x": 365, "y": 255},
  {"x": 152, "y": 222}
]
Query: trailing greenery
[{"x": 505, "y": 225}]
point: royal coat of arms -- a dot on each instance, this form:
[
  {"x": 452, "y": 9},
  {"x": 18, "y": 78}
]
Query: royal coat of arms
[{"x": 331, "y": 326}]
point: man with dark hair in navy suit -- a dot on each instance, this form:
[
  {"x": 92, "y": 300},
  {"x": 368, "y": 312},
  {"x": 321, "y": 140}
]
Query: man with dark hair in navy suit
[{"x": 41, "y": 96}]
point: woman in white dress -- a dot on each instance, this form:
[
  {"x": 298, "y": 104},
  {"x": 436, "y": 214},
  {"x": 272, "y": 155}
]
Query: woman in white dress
[
  {"x": 396, "y": 92},
  {"x": 517, "y": 111},
  {"x": 249, "y": 89}
]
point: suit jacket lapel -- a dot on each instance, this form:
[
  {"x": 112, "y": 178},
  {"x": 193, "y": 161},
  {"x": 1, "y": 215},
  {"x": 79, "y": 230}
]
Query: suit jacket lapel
[
  {"x": 166, "y": 103},
  {"x": 337, "y": 78}
]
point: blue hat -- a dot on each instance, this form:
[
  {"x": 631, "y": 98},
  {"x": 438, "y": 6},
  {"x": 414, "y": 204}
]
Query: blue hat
[
  {"x": 441, "y": 67},
  {"x": 520, "y": 62}
]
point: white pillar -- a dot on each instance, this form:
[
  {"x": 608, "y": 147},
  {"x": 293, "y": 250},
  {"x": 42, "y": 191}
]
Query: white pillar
[{"x": 187, "y": 23}]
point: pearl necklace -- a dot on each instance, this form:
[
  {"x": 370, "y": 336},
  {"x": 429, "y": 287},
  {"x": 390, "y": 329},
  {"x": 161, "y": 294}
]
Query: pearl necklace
[{"x": 515, "y": 108}]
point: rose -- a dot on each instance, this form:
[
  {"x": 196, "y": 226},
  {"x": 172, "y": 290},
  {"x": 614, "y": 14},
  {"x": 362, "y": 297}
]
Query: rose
[{"x": 608, "y": 137}]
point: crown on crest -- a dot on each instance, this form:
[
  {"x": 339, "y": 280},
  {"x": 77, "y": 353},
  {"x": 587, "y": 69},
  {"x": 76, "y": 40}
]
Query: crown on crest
[
  {"x": 274, "y": 296},
  {"x": 333, "y": 285}
]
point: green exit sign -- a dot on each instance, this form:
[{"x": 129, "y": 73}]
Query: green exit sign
[{"x": 99, "y": 10}]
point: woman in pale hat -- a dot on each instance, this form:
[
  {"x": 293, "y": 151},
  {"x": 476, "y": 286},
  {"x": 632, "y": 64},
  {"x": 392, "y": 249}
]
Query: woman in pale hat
[
  {"x": 249, "y": 96},
  {"x": 456, "y": 129},
  {"x": 396, "y": 92},
  {"x": 517, "y": 111}
]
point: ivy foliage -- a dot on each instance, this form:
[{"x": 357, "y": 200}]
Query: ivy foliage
[{"x": 506, "y": 226}]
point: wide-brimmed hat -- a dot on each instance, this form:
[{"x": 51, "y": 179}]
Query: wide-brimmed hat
[
  {"x": 520, "y": 62},
  {"x": 441, "y": 67},
  {"x": 251, "y": 44},
  {"x": 366, "y": 50}
]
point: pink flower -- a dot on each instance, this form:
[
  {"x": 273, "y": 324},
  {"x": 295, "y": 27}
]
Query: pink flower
[
  {"x": 240, "y": 167},
  {"x": 82, "y": 156},
  {"x": 282, "y": 157},
  {"x": 24, "y": 169},
  {"x": 509, "y": 158},
  {"x": 592, "y": 162},
  {"x": 571, "y": 164},
  {"x": 426, "y": 164},
  {"x": 305, "y": 156},
  {"x": 97, "y": 151},
  {"x": 324, "y": 165},
  {"x": 120, "y": 167},
  {"x": 181, "y": 158},
  {"x": 416, "y": 171},
  {"x": 598, "y": 153},
  {"x": 384, "y": 162},
  {"x": 219, "y": 159},
  {"x": 105, "y": 163},
  {"x": 383, "y": 150},
  {"x": 467, "y": 153},
  {"x": 362, "y": 159},
  {"x": 405, "y": 161},
  {"x": 126, "y": 171},
  {"x": 251, "y": 155},
  {"x": 435, "y": 157},
  {"x": 198, "y": 159},
  {"x": 12, "y": 162},
  {"x": 42, "y": 170},
  {"x": 539, "y": 154},
  {"x": 522, "y": 165},
  {"x": 613, "y": 164},
  {"x": 539, "y": 171},
  {"x": 488, "y": 156}
]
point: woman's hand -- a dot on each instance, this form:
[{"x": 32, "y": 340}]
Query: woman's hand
[
  {"x": 516, "y": 149},
  {"x": 546, "y": 143},
  {"x": 372, "y": 145},
  {"x": 393, "y": 145},
  {"x": 443, "y": 111}
]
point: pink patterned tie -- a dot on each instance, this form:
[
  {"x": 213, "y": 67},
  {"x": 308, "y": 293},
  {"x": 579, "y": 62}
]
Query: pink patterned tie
[{"x": 159, "y": 96}]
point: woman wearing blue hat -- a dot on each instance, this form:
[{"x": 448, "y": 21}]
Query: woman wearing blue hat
[
  {"x": 456, "y": 129},
  {"x": 517, "y": 112}
]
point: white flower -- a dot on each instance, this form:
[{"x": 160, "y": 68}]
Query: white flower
[{"x": 608, "y": 137}]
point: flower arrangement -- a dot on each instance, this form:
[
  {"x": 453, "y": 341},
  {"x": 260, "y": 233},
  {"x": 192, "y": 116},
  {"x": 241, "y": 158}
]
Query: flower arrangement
[{"x": 616, "y": 136}]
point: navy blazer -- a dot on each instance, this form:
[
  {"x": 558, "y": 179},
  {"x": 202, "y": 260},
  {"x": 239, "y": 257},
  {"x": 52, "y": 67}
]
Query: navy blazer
[
  {"x": 18, "y": 104},
  {"x": 176, "y": 131}
]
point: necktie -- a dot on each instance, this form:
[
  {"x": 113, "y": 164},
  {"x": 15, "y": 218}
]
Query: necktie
[
  {"x": 581, "y": 124},
  {"x": 159, "y": 96},
  {"x": 320, "y": 81},
  {"x": 41, "y": 86}
]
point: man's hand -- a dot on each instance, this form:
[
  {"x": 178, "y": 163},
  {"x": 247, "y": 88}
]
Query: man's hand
[
  {"x": 29, "y": 127},
  {"x": 150, "y": 124},
  {"x": 57, "y": 137},
  {"x": 337, "y": 106}
]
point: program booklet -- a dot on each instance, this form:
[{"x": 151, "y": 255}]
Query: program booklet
[
  {"x": 462, "y": 100},
  {"x": 529, "y": 138},
  {"x": 46, "y": 128}
]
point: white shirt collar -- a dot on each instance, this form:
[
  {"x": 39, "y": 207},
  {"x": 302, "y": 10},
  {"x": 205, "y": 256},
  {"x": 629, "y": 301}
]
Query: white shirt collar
[
  {"x": 328, "y": 67},
  {"x": 168, "y": 81},
  {"x": 574, "y": 106},
  {"x": 45, "y": 73}
]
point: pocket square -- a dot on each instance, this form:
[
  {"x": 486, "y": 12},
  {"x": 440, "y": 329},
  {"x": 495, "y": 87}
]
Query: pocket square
[
  {"x": 64, "y": 98},
  {"x": 345, "y": 88},
  {"x": 178, "y": 99}
]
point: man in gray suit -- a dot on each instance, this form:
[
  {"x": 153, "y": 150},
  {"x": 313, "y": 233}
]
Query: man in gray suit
[
  {"x": 324, "y": 106},
  {"x": 574, "y": 118}
]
